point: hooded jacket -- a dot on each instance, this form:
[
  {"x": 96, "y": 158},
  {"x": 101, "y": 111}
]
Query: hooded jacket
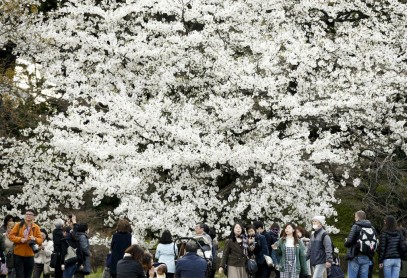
[
  {"x": 352, "y": 239},
  {"x": 320, "y": 250},
  {"x": 389, "y": 247}
]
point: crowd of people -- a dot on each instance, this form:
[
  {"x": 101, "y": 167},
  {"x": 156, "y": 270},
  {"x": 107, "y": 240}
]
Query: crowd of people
[{"x": 27, "y": 251}]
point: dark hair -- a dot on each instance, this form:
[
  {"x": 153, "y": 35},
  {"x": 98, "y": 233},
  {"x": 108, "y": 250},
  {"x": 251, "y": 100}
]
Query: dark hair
[
  {"x": 45, "y": 232},
  {"x": 275, "y": 226},
  {"x": 7, "y": 219},
  {"x": 204, "y": 227},
  {"x": 67, "y": 229},
  {"x": 284, "y": 235},
  {"x": 82, "y": 227},
  {"x": 212, "y": 233},
  {"x": 303, "y": 231},
  {"x": 191, "y": 246},
  {"x": 136, "y": 252},
  {"x": 258, "y": 224},
  {"x": 166, "y": 237},
  {"x": 232, "y": 234},
  {"x": 390, "y": 223},
  {"x": 123, "y": 226},
  {"x": 147, "y": 261},
  {"x": 248, "y": 227},
  {"x": 30, "y": 210}
]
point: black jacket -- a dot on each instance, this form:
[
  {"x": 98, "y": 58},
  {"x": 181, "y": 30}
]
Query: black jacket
[
  {"x": 352, "y": 239},
  {"x": 129, "y": 268},
  {"x": 389, "y": 247}
]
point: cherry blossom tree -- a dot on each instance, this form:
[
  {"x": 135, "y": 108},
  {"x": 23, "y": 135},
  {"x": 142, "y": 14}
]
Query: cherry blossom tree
[{"x": 213, "y": 111}]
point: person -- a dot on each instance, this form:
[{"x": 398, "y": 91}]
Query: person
[
  {"x": 2, "y": 251},
  {"x": 235, "y": 253},
  {"x": 204, "y": 239},
  {"x": 389, "y": 248},
  {"x": 274, "y": 237},
  {"x": 215, "y": 246},
  {"x": 292, "y": 253},
  {"x": 25, "y": 235},
  {"x": 67, "y": 240},
  {"x": 161, "y": 271},
  {"x": 81, "y": 235},
  {"x": 264, "y": 271},
  {"x": 8, "y": 218},
  {"x": 131, "y": 264},
  {"x": 43, "y": 256},
  {"x": 358, "y": 262},
  {"x": 9, "y": 245},
  {"x": 403, "y": 270},
  {"x": 148, "y": 264},
  {"x": 121, "y": 240},
  {"x": 191, "y": 265},
  {"x": 166, "y": 252},
  {"x": 57, "y": 236},
  {"x": 258, "y": 247},
  {"x": 320, "y": 248},
  {"x": 303, "y": 235}
]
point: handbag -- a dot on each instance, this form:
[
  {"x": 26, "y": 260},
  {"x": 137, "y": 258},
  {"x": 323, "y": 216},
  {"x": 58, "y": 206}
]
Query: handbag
[
  {"x": 251, "y": 266},
  {"x": 335, "y": 271},
  {"x": 3, "y": 269},
  {"x": 54, "y": 259},
  {"x": 269, "y": 261},
  {"x": 48, "y": 270}
]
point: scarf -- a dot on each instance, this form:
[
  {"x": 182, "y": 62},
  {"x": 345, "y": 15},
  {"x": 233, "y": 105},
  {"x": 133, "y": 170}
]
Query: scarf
[{"x": 245, "y": 244}]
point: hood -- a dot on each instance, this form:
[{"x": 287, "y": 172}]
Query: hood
[
  {"x": 393, "y": 233},
  {"x": 364, "y": 223}
]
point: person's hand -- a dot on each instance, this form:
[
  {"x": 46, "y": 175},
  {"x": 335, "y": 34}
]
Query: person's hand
[
  {"x": 32, "y": 237},
  {"x": 328, "y": 264},
  {"x": 73, "y": 219},
  {"x": 151, "y": 272},
  {"x": 23, "y": 240},
  {"x": 62, "y": 267},
  {"x": 274, "y": 246},
  {"x": 220, "y": 269},
  {"x": 380, "y": 266}
]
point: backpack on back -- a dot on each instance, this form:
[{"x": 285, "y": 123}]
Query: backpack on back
[{"x": 367, "y": 241}]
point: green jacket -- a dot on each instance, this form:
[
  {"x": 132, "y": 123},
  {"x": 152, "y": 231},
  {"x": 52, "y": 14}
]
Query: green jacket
[{"x": 300, "y": 257}]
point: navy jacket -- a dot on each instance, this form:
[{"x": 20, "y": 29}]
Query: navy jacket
[
  {"x": 190, "y": 266},
  {"x": 261, "y": 248},
  {"x": 129, "y": 268},
  {"x": 120, "y": 242}
]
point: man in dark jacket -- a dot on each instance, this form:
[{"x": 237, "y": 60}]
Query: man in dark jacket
[
  {"x": 262, "y": 248},
  {"x": 57, "y": 239},
  {"x": 319, "y": 251},
  {"x": 191, "y": 265},
  {"x": 358, "y": 263}
]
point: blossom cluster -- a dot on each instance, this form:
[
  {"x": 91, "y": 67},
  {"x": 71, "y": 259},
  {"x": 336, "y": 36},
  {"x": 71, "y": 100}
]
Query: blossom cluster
[{"x": 214, "y": 111}]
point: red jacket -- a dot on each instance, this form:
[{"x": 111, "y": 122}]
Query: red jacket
[{"x": 17, "y": 233}]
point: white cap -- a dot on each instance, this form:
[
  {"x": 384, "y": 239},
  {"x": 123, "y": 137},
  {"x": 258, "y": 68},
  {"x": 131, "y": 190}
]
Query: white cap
[{"x": 319, "y": 218}]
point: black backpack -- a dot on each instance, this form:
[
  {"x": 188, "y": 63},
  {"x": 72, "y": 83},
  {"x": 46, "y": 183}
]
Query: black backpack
[{"x": 367, "y": 241}]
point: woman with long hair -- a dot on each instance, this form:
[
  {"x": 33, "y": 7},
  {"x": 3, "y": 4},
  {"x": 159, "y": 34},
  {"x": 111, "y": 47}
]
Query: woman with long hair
[
  {"x": 389, "y": 251},
  {"x": 235, "y": 253},
  {"x": 121, "y": 240},
  {"x": 166, "y": 252},
  {"x": 131, "y": 266},
  {"x": 292, "y": 253}
]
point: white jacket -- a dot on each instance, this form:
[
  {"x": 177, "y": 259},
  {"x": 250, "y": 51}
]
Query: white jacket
[{"x": 44, "y": 255}]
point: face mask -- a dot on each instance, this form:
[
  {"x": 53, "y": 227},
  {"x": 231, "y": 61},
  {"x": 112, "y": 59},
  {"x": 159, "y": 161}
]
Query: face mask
[{"x": 315, "y": 226}]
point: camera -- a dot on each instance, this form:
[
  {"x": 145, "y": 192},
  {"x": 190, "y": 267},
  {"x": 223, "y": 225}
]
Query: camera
[{"x": 33, "y": 245}]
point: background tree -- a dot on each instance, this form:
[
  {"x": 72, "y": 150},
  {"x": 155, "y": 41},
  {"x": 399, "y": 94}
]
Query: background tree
[{"x": 208, "y": 110}]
